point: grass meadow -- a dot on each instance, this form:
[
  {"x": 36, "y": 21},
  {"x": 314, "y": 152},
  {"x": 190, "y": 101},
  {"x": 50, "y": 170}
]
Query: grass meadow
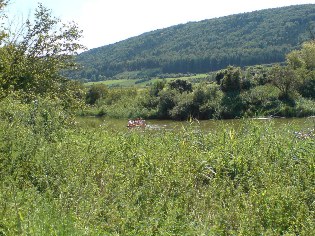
[{"x": 141, "y": 83}]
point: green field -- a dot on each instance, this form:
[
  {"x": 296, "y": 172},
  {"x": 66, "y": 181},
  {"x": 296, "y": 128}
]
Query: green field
[{"x": 138, "y": 83}]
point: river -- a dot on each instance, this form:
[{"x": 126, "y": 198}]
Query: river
[{"x": 298, "y": 124}]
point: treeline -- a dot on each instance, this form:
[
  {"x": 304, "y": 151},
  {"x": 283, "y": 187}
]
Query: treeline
[
  {"x": 279, "y": 90},
  {"x": 259, "y": 37}
]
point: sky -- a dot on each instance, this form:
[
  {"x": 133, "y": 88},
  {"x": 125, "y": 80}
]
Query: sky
[{"x": 108, "y": 21}]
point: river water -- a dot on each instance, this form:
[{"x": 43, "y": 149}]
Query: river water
[{"x": 298, "y": 124}]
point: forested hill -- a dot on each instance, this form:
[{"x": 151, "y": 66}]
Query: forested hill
[{"x": 257, "y": 37}]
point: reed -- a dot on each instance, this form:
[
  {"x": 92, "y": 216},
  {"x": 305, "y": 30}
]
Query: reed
[{"x": 253, "y": 180}]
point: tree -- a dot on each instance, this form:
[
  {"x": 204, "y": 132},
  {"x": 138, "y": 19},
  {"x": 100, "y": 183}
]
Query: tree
[
  {"x": 285, "y": 79},
  {"x": 157, "y": 87},
  {"x": 303, "y": 63},
  {"x": 230, "y": 79},
  {"x": 181, "y": 85},
  {"x": 219, "y": 76},
  {"x": 303, "y": 58},
  {"x": 95, "y": 93},
  {"x": 166, "y": 103},
  {"x": 33, "y": 58},
  {"x": 3, "y": 4}
]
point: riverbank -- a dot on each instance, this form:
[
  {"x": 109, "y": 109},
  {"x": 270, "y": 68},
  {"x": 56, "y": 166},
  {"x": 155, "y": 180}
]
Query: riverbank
[
  {"x": 297, "y": 124},
  {"x": 204, "y": 102}
]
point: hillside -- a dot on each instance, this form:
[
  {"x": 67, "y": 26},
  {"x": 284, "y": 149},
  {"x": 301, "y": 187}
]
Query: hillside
[{"x": 258, "y": 37}]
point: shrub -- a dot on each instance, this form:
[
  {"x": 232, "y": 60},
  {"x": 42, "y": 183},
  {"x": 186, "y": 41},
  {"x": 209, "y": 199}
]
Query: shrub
[{"x": 96, "y": 92}]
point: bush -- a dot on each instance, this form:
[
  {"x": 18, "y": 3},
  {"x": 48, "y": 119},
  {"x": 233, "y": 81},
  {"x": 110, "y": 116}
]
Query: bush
[
  {"x": 96, "y": 92},
  {"x": 307, "y": 87},
  {"x": 231, "y": 81},
  {"x": 183, "y": 108},
  {"x": 181, "y": 85}
]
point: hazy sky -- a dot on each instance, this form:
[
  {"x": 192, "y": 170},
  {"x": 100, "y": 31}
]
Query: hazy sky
[{"x": 109, "y": 21}]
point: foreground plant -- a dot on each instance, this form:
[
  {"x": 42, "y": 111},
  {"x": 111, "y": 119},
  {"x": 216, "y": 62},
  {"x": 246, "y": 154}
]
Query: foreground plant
[{"x": 89, "y": 181}]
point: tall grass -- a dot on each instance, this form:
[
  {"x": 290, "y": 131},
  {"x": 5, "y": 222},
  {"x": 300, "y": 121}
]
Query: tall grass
[{"x": 256, "y": 180}]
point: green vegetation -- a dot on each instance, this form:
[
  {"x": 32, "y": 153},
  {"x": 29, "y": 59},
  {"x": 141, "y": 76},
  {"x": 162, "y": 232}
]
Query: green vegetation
[
  {"x": 286, "y": 90},
  {"x": 147, "y": 82},
  {"x": 61, "y": 178},
  {"x": 33, "y": 57},
  {"x": 260, "y": 37}
]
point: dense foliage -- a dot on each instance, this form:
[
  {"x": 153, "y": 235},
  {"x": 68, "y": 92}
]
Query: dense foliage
[
  {"x": 259, "y": 37},
  {"x": 33, "y": 57},
  {"x": 279, "y": 90},
  {"x": 253, "y": 180}
]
